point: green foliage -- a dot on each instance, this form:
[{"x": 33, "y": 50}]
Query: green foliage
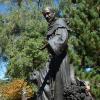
[
  {"x": 85, "y": 24},
  {"x": 84, "y": 39},
  {"x": 21, "y": 37}
]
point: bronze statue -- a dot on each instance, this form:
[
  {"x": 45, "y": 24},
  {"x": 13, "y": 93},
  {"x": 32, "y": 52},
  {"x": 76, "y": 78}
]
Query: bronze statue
[
  {"x": 59, "y": 75},
  {"x": 59, "y": 68}
]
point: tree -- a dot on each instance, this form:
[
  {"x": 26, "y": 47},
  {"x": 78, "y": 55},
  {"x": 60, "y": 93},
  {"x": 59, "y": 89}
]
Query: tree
[
  {"x": 84, "y": 39},
  {"x": 14, "y": 90},
  {"x": 20, "y": 39}
]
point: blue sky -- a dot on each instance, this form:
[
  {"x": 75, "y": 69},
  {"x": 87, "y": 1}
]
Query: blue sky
[
  {"x": 56, "y": 2},
  {"x": 3, "y": 67},
  {"x": 3, "y": 8}
]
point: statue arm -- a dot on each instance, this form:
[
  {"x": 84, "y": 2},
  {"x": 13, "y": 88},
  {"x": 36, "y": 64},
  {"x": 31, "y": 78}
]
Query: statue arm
[{"x": 59, "y": 42}]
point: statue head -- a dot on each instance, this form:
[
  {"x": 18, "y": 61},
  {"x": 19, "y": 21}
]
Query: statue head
[{"x": 48, "y": 13}]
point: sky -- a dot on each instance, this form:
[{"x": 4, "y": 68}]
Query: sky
[
  {"x": 56, "y": 2},
  {"x": 3, "y": 67},
  {"x": 3, "y": 8}
]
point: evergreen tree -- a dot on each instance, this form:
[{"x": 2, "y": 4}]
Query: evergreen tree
[
  {"x": 84, "y": 39},
  {"x": 20, "y": 38}
]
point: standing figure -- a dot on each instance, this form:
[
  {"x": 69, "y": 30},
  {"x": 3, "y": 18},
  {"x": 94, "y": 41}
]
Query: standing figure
[
  {"x": 56, "y": 44},
  {"x": 56, "y": 81}
]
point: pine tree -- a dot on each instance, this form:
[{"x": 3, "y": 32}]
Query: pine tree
[{"x": 84, "y": 39}]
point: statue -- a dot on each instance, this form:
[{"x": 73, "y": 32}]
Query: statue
[
  {"x": 58, "y": 77},
  {"x": 37, "y": 77},
  {"x": 56, "y": 45}
]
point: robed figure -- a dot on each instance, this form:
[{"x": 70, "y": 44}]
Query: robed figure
[
  {"x": 58, "y": 75},
  {"x": 58, "y": 67}
]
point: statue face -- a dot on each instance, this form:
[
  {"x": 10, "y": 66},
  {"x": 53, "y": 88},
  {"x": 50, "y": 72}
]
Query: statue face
[{"x": 49, "y": 15}]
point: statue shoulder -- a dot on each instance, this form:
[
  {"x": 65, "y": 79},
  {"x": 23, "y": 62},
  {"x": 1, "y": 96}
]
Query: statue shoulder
[{"x": 60, "y": 22}]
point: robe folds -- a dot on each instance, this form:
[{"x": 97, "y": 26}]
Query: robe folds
[
  {"x": 60, "y": 73},
  {"x": 56, "y": 80}
]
